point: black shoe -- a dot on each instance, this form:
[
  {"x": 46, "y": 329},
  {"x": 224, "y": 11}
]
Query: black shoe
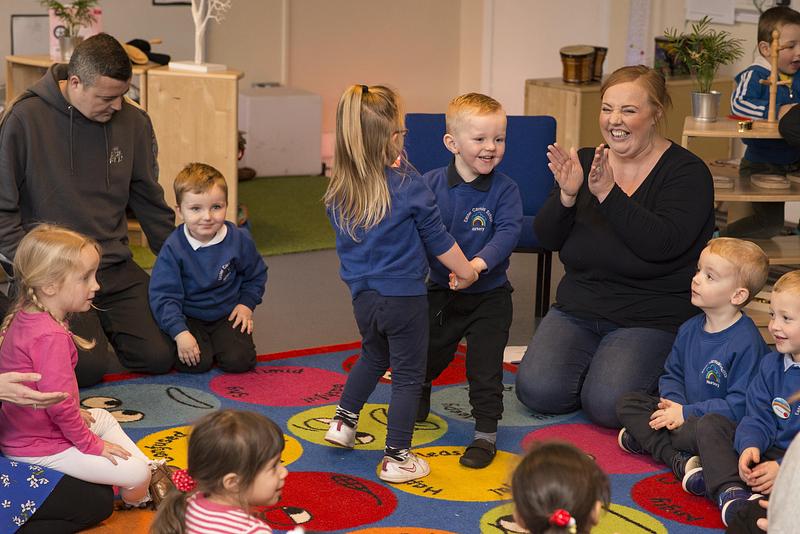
[
  {"x": 479, "y": 454},
  {"x": 424, "y": 407},
  {"x": 628, "y": 443},
  {"x": 683, "y": 462}
]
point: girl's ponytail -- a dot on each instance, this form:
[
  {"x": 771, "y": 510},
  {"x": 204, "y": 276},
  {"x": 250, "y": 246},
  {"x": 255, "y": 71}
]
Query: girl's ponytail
[{"x": 171, "y": 513}]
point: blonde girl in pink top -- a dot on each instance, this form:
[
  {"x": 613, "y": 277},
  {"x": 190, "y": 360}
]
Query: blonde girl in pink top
[{"x": 54, "y": 271}]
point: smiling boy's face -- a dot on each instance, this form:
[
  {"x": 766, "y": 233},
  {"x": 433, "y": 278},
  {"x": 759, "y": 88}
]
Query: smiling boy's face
[{"x": 788, "y": 49}]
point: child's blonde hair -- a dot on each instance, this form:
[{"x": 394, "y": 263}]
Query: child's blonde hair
[
  {"x": 469, "y": 105},
  {"x": 751, "y": 263},
  {"x": 789, "y": 282},
  {"x": 369, "y": 128},
  {"x": 557, "y": 476},
  {"x": 227, "y": 441},
  {"x": 198, "y": 178},
  {"x": 46, "y": 255}
]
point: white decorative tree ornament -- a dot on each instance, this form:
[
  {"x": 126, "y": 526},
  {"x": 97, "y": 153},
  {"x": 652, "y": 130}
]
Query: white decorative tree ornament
[{"x": 203, "y": 11}]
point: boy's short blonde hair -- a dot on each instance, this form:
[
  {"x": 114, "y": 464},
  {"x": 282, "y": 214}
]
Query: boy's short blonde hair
[
  {"x": 469, "y": 104},
  {"x": 789, "y": 282},
  {"x": 751, "y": 263},
  {"x": 198, "y": 178}
]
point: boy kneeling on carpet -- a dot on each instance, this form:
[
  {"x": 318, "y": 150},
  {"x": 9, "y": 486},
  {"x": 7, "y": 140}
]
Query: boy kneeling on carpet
[
  {"x": 715, "y": 356},
  {"x": 482, "y": 209},
  {"x": 740, "y": 463},
  {"x": 207, "y": 279}
]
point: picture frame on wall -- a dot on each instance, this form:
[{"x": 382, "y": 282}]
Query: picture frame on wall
[
  {"x": 172, "y": 3},
  {"x": 30, "y": 35}
]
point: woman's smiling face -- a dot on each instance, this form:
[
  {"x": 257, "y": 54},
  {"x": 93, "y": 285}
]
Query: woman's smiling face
[{"x": 628, "y": 119}]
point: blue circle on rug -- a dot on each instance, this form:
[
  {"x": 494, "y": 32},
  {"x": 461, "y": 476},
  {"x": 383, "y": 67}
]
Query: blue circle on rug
[
  {"x": 453, "y": 402},
  {"x": 151, "y": 405}
]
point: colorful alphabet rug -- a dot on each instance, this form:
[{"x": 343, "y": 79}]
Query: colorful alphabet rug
[{"x": 330, "y": 489}]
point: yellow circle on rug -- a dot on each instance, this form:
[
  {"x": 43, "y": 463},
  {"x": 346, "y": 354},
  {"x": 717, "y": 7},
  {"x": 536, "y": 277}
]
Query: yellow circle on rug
[
  {"x": 501, "y": 519},
  {"x": 172, "y": 445},
  {"x": 400, "y": 530},
  {"x": 450, "y": 481},
  {"x": 312, "y": 424},
  {"x": 629, "y": 520}
]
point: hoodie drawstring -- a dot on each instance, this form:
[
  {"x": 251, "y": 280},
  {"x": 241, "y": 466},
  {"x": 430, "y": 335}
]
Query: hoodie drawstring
[
  {"x": 108, "y": 159},
  {"x": 71, "y": 159}
]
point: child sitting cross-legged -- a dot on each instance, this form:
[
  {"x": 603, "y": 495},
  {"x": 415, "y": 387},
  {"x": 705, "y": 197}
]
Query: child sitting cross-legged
[{"x": 713, "y": 359}]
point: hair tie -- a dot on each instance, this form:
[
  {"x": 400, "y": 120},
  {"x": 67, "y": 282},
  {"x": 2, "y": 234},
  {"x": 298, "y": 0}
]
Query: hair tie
[
  {"x": 183, "y": 480},
  {"x": 364, "y": 89},
  {"x": 561, "y": 518}
]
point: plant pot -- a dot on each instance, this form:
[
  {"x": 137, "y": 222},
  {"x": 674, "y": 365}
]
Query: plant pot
[
  {"x": 705, "y": 106},
  {"x": 67, "y": 44}
]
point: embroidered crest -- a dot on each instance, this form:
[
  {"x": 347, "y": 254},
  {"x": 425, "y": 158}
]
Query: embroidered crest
[{"x": 116, "y": 155}]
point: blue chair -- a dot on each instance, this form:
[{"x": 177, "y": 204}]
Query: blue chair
[{"x": 525, "y": 161}]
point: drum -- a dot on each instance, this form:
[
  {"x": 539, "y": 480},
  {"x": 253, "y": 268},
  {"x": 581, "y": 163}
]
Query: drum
[
  {"x": 577, "y": 62},
  {"x": 599, "y": 58}
]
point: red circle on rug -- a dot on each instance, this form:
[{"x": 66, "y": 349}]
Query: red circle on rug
[
  {"x": 456, "y": 372},
  {"x": 663, "y": 496},
  {"x": 601, "y": 443},
  {"x": 320, "y": 501},
  {"x": 281, "y": 386}
]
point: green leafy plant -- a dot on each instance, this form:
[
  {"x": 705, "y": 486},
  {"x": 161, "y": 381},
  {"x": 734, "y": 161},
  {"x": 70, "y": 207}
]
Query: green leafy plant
[
  {"x": 75, "y": 15},
  {"x": 703, "y": 50}
]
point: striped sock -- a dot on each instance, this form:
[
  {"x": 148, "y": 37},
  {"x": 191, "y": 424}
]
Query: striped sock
[
  {"x": 349, "y": 418},
  {"x": 399, "y": 455}
]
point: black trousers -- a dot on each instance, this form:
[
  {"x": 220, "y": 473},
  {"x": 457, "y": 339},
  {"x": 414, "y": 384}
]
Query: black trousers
[
  {"x": 720, "y": 460},
  {"x": 484, "y": 320},
  {"x": 122, "y": 316},
  {"x": 233, "y": 350},
  {"x": 73, "y": 505},
  {"x": 634, "y": 411}
]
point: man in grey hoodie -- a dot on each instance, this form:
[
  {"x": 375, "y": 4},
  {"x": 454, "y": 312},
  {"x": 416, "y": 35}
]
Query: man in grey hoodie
[{"x": 73, "y": 152}]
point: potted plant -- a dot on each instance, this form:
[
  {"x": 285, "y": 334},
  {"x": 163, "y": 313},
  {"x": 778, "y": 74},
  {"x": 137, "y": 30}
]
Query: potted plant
[
  {"x": 704, "y": 50},
  {"x": 75, "y": 15}
]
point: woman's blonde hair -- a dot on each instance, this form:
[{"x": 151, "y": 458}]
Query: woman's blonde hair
[
  {"x": 227, "y": 441},
  {"x": 45, "y": 256},
  {"x": 369, "y": 125}
]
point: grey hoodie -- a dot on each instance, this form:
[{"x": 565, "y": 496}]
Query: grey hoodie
[{"x": 59, "y": 167}]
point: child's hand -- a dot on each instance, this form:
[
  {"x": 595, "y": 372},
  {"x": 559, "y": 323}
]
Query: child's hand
[
  {"x": 478, "y": 264},
  {"x": 457, "y": 283},
  {"x": 87, "y": 417},
  {"x": 669, "y": 415},
  {"x": 750, "y": 456},
  {"x": 242, "y": 317},
  {"x": 110, "y": 450},
  {"x": 601, "y": 177},
  {"x": 762, "y": 477},
  {"x": 567, "y": 171},
  {"x": 188, "y": 350}
]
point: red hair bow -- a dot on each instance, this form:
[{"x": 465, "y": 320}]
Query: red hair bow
[
  {"x": 562, "y": 518},
  {"x": 183, "y": 480}
]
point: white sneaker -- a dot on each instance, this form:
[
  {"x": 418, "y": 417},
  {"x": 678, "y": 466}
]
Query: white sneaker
[
  {"x": 341, "y": 434},
  {"x": 412, "y": 468}
]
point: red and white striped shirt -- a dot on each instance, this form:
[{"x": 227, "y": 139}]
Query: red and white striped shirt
[{"x": 206, "y": 517}]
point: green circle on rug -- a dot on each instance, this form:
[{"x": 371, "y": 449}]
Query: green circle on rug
[
  {"x": 400, "y": 530},
  {"x": 453, "y": 402},
  {"x": 501, "y": 519},
  {"x": 312, "y": 424},
  {"x": 629, "y": 520},
  {"x": 450, "y": 481},
  {"x": 172, "y": 445}
]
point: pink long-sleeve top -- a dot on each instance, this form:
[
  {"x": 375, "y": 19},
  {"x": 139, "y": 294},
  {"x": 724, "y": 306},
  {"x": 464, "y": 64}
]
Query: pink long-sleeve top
[{"x": 36, "y": 343}]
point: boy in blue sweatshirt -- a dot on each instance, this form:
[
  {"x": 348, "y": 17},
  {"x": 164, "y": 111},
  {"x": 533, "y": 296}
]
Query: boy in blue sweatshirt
[
  {"x": 713, "y": 359},
  {"x": 741, "y": 462},
  {"x": 482, "y": 210},
  {"x": 751, "y": 99},
  {"x": 207, "y": 278}
]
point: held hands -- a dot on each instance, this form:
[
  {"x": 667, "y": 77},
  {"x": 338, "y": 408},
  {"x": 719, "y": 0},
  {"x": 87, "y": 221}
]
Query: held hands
[
  {"x": 242, "y": 318},
  {"x": 188, "y": 349},
  {"x": 110, "y": 450},
  {"x": 12, "y": 391},
  {"x": 456, "y": 282},
  {"x": 601, "y": 177},
  {"x": 669, "y": 415},
  {"x": 761, "y": 476},
  {"x": 567, "y": 171}
]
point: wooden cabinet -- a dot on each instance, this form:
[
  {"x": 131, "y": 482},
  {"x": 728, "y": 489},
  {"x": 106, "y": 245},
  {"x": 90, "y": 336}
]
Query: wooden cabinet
[
  {"x": 195, "y": 119},
  {"x": 576, "y": 108}
]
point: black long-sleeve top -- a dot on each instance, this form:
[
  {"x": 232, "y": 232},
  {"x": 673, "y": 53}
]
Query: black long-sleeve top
[
  {"x": 789, "y": 126},
  {"x": 630, "y": 260}
]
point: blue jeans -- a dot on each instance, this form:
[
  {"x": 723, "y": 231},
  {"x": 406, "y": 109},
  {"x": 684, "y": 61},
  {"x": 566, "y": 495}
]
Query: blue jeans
[{"x": 572, "y": 363}]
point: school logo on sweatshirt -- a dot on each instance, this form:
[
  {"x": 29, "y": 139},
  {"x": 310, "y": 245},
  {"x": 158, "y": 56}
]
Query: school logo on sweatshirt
[
  {"x": 116, "y": 155},
  {"x": 478, "y": 219},
  {"x": 781, "y": 407},
  {"x": 714, "y": 373},
  {"x": 224, "y": 272}
]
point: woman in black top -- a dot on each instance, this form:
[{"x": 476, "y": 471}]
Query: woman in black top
[{"x": 629, "y": 220}]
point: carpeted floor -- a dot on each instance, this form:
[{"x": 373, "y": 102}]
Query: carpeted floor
[
  {"x": 334, "y": 490},
  {"x": 285, "y": 214}
]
